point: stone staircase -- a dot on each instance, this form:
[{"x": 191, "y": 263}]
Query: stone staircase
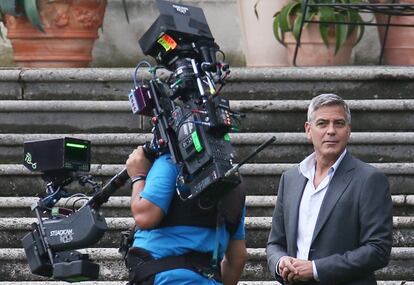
[{"x": 92, "y": 104}]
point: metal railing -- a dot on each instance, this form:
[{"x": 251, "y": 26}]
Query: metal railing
[{"x": 388, "y": 9}]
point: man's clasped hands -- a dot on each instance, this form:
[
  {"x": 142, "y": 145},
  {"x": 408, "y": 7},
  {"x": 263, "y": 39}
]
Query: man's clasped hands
[{"x": 295, "y": 270}]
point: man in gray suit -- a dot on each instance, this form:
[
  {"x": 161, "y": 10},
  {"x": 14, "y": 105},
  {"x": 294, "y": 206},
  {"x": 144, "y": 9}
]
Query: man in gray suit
[{"x": 332, "y": 222}]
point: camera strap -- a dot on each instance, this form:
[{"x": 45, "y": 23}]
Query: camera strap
[
  {"x": 214, "y": 259},
  {"x": 126, "y": 241}
]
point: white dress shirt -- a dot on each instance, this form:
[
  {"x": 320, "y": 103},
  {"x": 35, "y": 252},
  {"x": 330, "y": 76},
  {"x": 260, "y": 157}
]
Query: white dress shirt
[{"x": 310, "y": 205}]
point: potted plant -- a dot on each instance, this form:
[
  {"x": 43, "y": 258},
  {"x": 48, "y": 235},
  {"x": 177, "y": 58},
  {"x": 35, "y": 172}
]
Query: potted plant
[
  {"x": 321, "y": 42},
  {"x": 52, "y": 33},
  {"x": 398, "y": 40},
  {"x": 259, "y": 47}
]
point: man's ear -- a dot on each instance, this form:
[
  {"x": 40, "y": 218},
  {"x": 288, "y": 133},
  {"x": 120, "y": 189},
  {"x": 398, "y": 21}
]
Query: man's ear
[{"x": 307, "y": 130}]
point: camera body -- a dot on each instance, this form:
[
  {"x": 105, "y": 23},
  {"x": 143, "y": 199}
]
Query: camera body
[{"x": 189, "y": 117}]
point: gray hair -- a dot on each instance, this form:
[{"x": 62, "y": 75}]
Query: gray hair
[{"x": 328, "y": 99}]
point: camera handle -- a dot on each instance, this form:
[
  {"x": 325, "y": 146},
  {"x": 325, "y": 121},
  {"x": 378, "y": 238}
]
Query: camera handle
[
  {"x": 255, "y": 152},
  {"x": 114, "y": 184},
  {"x": 42, "y": 233}
]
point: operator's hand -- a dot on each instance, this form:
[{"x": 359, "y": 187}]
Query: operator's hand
[{"x": 137, "y": 164}]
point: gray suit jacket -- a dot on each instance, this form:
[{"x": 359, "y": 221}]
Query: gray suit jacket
[{"x": 353, "y": 233}]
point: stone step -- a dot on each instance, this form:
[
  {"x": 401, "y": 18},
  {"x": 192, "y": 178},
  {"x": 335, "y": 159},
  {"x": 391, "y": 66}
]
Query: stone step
[
  {"x": 14, "y": 268},
  {"x": 257, "y": 231},
  {"x": 288, "y": 147},
  {"x": 18, "y": 116},
  {"x": 261, "y": 178},
  {"x": 92, "y": 103},
  {"x": 351, "y": 82},
  {"x": 123, "y": 283},
  {"x": 118, "y": 206}
]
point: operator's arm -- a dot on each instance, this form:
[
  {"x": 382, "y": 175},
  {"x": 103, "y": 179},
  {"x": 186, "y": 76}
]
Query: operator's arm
[
  {"x": 235, "y": 256},
  {"x": 233, "y": 262},
  {"x": 146, "y": 214}
]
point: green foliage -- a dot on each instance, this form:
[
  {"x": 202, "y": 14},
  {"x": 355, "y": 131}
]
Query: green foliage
[
  {"x": 1, "y": 20},
  {"x": 31, "y": 12},
  {"x": 21, "y": 7},
  {"x": 289, "y": 18},
  {"x": 8, "y": 7}
]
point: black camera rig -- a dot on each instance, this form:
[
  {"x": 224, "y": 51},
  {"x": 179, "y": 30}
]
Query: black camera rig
[
  {"x": 190, "y": 120},
  {"x": 51, "y": 243},
  {"x": 50, "y": 246}
]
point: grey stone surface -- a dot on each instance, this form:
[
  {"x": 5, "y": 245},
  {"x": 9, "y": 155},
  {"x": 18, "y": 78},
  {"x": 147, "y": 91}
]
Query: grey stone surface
[
  {"x": 384, "y": 115},
  {"x": 123, "y": 283},
  {"x": 369, "y": 82},
  {"x": 10, "y": 88},
  {"x": 257, "y": 231},
  {"x": 289, "y": 147},
  {"x": 91, "y": 104},
  {"x": 263, "y": 179},
  {"x": 112, "y": 268},
  {"x": 118, "y": 206}
]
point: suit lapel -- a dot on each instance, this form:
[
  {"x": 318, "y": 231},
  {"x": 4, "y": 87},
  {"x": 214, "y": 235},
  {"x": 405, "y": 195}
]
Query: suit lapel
[
  {"x": 295, "y": 194},
  {"x": 337, "y": 186}
]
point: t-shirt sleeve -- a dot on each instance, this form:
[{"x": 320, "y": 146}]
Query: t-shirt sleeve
[
  {"x": 240, "y": 232},
  {"x": 160, "y": 183}
]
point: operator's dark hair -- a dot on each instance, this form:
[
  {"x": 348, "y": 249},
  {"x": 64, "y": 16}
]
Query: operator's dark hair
[{"x": 328, "y": 99}]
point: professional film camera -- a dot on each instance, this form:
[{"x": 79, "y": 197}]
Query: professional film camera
[{"x": 190, "y": 120}]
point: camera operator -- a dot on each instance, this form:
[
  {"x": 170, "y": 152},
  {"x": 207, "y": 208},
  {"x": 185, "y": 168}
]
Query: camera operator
[{"x": 182, "y": 237}]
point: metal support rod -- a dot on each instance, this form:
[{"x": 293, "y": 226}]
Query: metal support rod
[
  {"x": 384, "y": 40},
  {"x": 43, "y": 235},
  {"x": 305, "y": 12},
  {"x": 255, "y": 152}
]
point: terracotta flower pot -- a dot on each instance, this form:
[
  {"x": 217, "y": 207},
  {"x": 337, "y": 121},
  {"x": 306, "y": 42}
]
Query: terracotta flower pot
[
  {"x": 399, "y": 44},
  {"x": 313, "y": 52},
  {"x": 71, "y": 28}
]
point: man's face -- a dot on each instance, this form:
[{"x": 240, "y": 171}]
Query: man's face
[{"x": 328, "y": 132}]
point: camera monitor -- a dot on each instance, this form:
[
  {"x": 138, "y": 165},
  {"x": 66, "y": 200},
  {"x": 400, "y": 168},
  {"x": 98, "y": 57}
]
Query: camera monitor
[{"x": 57, "y": 154}]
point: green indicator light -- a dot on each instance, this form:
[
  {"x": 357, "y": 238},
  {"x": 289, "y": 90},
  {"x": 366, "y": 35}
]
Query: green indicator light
[
  {"x": 76, "y": 145},
  {"x": 227, "y": 137},
  {"x": 55, "y": 211},
  {"x": 196, "y": 142}
]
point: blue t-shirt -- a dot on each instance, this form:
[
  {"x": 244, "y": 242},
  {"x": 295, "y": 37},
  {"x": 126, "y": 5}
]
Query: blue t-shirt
[{"x": 176, "y": 240}]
